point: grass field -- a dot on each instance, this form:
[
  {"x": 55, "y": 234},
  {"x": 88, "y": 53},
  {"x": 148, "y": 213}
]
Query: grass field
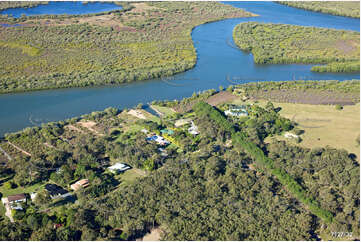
[
  {"x": 150, "y": 116},
  {"x": 163, "y": 110},
  {"x": 6, "y": 192},
  {"x": 324, "y": 125},
  {"x": 129, "y": 176}
]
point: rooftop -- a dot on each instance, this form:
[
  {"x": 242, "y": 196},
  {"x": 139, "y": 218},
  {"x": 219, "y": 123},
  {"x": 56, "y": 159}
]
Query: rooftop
[
  {"x": 16, "y": 197},
  {"x": 79, "y": 184},
  {"x": 119, "y": 167},
  {"x": 55, "y": 189}
]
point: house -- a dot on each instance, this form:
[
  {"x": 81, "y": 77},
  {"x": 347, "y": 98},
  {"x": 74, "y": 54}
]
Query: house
[
  {"x": 236, "y": 112},
  {"x": 159, "y": 139},
  {"x": 17, "y": 198},
  {"x": 80, "y": 184},
  {"x": 56, "y": 191},
  {"x": 13, "y": 201},
  {"x": 118, "y": 167},
  {"x": 193, "y": 129}
]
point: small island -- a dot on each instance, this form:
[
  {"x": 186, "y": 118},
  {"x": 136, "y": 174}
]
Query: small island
[{"x": 337, "y": 50}]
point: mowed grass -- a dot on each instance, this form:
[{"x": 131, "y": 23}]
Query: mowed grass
[
  {"x": 129, "y": 176},
  {"x": 324, "y": 125},
  {"x": 150, "y": 116},
  {"x": 29, "y": 189},
  {"x": 164, "y": 110}
]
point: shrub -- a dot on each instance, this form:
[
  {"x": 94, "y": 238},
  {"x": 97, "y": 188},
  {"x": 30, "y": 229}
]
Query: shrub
[{"x": 338, "y": 107}]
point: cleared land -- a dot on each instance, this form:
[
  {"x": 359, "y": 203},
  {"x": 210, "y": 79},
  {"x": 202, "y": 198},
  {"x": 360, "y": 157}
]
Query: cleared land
[
  {"x": 154, "y": 235},
  {"x": 311, "y": 104},
  {"x": 142, "y": 41},
  {"x": 286, "y": 44},
  {"x": 324, "y": 125},
  {"x": 306, "y": 92},
  {"x": 342, "y": 8},
  {"x": 216, "y": 99}
]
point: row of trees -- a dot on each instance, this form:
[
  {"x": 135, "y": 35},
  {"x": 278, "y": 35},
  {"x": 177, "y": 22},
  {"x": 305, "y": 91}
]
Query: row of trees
[{"x": 240, "y": 139}]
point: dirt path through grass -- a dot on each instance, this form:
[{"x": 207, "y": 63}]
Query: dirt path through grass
[{"x": 19, "y": 149}]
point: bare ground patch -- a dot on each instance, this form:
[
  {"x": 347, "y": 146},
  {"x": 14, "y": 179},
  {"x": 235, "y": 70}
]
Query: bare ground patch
[
  {"x": 137, "y": 114},
  {"x": 73, "y": 128},
  {"x": 90, "y": 125},
  {"x": 306, "y": 97},
  {"x": 102, "y": 20},
  {"x": 346, "y": 46},
  {"x": 216, "y": 99},
  {"x": 141, "y": 7},
  {"x": 220, "y": 98},
  {"x": 154, "y": 235}
]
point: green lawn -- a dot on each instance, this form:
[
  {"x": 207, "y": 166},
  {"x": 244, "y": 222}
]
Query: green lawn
[
  {"x": 29, "y": 189},
  {"x": 164, "y": 110},
  {"x": 129, "y": 176}
]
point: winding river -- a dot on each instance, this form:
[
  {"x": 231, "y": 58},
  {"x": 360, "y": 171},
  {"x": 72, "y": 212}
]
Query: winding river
[{"x": 219, "y": 63}]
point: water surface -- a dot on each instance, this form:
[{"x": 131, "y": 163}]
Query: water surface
[
  {"x": 219, "y": 63},
  {"x": 62, "y": 8}
]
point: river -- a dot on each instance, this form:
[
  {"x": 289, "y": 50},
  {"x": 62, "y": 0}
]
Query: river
[
  {"x": 218, "y": 63},
  {"x": 62, "y": 8}
]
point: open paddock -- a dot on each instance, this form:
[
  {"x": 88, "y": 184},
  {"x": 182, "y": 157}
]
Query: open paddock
[{"x": 324, "y": 125}]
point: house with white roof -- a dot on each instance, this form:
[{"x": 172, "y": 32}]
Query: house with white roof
[
  {"x": 193, "y": 129},
  {"x": 118, "y": 167}
]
